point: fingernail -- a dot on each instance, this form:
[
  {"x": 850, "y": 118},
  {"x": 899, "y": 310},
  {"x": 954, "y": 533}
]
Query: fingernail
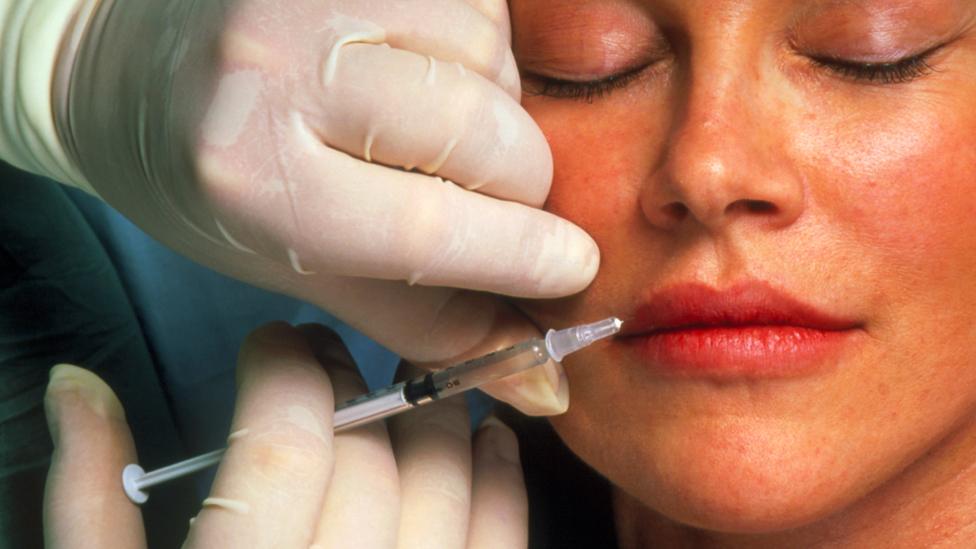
[
  {"x": 559, "y": 385},
  {"x": 551, "y": 394},
  {"x": 71, "y": 388},
  {"x": 541, "y": 391},
  {"x": 500, "y": 439}
]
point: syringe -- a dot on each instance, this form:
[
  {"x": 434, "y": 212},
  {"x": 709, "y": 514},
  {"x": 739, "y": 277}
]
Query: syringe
[{"x": 409, "y": 394}]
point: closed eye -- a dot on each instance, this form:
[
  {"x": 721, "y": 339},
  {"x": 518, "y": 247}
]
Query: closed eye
[
  {"x": 583, "y": 90},
  {"x": 888, "y": 72}
]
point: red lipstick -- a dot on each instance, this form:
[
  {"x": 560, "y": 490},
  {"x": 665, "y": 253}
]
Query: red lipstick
[{"x": 748, "y": 330}]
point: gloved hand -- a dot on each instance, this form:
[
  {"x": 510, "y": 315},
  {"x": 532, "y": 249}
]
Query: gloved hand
[
  {"x": 353, "y": 153},
  {"x": 285, "y": 480}
]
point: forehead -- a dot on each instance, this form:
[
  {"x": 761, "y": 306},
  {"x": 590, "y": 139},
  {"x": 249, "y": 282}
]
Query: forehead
[
  {"x": 532, "y": 17},
  {"x": 736, "y": 6}
]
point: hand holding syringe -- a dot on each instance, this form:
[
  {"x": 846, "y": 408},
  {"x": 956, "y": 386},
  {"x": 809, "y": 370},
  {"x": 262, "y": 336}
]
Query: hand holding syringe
[{"x": 409, "y": 394}]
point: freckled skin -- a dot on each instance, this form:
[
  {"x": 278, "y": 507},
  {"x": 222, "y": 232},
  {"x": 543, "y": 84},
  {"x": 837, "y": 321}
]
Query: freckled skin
[{"x": 874, "y": 218}]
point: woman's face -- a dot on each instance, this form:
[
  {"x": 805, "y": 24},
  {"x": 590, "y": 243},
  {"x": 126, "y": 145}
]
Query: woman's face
[{"x": 783, "y": 194}]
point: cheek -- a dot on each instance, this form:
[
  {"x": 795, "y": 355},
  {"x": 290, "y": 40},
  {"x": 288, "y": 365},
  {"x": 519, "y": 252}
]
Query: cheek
[
  {"x": 599, "y": 154},
  {"x": 896, "y": 192},
  {"x": 602, "y": 154}
]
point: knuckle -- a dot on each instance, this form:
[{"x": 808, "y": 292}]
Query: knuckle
[
  {"x": 216, "y": 175},
  {"x": 424, "y": 229},
  {"x": 455, "y": 493},
  {"x": 380, "y": 477},
  {"x": 290, "y": 458},
  {"x": 440, "y": 480}
]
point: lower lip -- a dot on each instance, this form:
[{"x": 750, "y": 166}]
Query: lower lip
[{"x": 741, "y": 351}]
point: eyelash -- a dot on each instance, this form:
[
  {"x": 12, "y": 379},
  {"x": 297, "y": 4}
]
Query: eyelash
[
  {"x": 587, "y": 91},
  {"x": 894, "y": 72},
  {"x": 891, "y": 73}
]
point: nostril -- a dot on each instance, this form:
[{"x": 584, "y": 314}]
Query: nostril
[
  {"x": 753, "y": 206},
  {"x": 675, "y": 210}
]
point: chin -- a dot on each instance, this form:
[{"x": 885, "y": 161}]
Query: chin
[{"x": 728, "y": 475}]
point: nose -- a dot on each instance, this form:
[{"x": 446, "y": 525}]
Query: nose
[{"x": 725, "y": 161}]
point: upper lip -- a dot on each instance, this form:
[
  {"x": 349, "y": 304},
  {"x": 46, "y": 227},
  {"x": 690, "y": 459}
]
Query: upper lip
[{"x": 751, "y": 303}]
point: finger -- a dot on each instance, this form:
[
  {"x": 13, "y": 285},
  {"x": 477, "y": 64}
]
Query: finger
[
  {"x": 497, "y": 12},
  {"x": 358, "y": 219},
  {"x": 499, "y": 504},
  {"x": 433, "y": 449},
  {"x": 84, "y": 504},
  {"x": 438, "y": 118},
  {"x": 272, "y": 480},
  {"x": 439, "y": 327},
  {"x": 362, "y": 506},
  {"x": 469, "y": 32}
]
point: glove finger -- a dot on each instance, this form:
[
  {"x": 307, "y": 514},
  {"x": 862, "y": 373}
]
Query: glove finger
[
  {"x": 433, "y": 449},
  {"x": 499, "y": 503},
  {"x": 272, "y": 480},
  {"x": 473, "y": 33},
  {"x": 497, "y": 12},
  {"x": 362, "y": 506},
  {"x": 438, "y": 119},
  {"x": 84, "y": 504},
  {"x": 347, "y": 217},
  {"x": 439, "y": 327}
]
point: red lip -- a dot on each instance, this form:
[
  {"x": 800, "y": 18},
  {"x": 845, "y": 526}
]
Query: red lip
[{"x": 748, "y": 330}]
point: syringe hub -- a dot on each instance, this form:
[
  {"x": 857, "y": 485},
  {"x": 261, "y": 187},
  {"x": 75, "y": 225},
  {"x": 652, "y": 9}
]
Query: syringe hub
[{"x": 560, "y": 343}]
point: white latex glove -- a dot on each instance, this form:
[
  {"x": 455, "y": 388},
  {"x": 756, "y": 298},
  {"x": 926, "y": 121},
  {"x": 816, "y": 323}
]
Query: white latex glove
[
  {"x": 286, "y": 481},
  {"x": 266, "y": 140}
]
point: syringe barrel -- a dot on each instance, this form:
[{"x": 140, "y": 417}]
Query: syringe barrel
[
  {"x": 471, "y": 374},
  {"x": 371, "y": 407}
]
